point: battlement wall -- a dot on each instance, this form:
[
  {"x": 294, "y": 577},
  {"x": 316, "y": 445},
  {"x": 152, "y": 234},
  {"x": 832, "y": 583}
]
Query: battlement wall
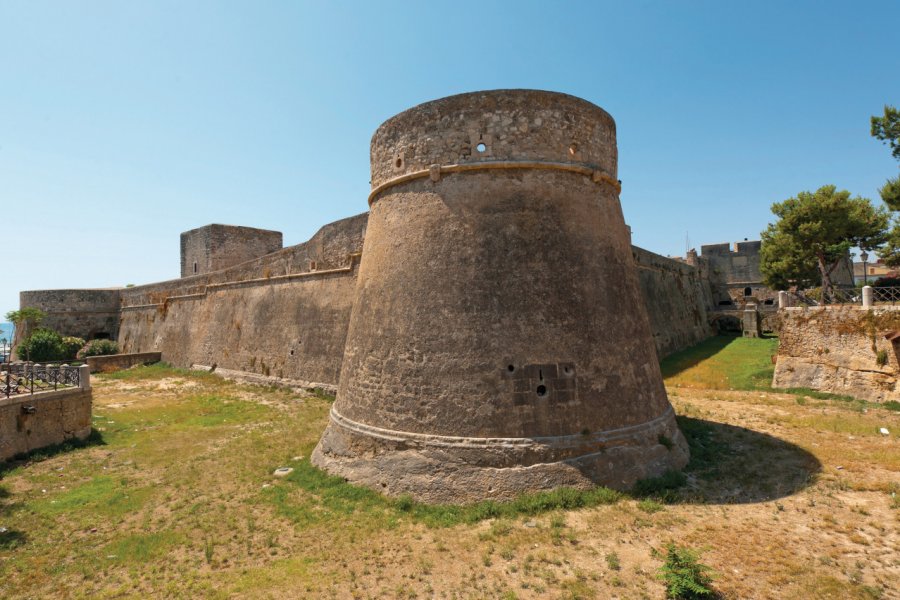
[
  {"x": 283, "y": 316},
  {"x": 263, "y": 306},
  {"x": 677, "y": 296}
]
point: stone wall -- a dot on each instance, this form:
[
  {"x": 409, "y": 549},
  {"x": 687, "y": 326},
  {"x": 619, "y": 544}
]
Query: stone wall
[
  {"x": 281, "y": 316},
  {"x": 87, "y": 314},
  {"x": 270, "y": 316},
  {"x": 216, "y": 247},
  {"x": 677, "y": 296},
  {"x": 117, "y": 362},
  {"x": 837, "y": 350},
  {"x": 30, "y": 422}
]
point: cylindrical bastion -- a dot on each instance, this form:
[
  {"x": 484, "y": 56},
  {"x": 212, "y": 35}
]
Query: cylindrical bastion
[{"x": 498, "y": 341}]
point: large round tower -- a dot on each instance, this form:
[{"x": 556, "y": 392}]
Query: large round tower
[{"x": 498, "y": 341}]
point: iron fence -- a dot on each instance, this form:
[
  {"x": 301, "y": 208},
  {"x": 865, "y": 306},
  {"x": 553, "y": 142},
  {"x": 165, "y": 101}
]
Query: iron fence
[
  {"x": 886, "y": 295},
  {"x": 815, "y": 296},
  {"x": 27, "y": 378}
]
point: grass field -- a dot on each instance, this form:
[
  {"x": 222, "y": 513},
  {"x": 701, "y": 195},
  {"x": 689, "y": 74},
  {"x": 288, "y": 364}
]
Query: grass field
[{"x": 787, "y": 495}]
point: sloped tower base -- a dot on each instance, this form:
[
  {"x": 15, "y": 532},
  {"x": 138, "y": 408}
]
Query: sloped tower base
[
  {"x": 498, "y": 342},
  {"x": 459, "y": 470}
]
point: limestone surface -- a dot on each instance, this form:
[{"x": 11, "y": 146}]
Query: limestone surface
[{"x": 498, "y": 341}]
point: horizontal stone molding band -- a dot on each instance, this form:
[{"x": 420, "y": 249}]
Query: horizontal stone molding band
[
  {"x": 354, "y": 258},
  {"x": 75, "y": 311},
  {"x": 561, "y": 442},
  {"x": 434, "y": 172}
]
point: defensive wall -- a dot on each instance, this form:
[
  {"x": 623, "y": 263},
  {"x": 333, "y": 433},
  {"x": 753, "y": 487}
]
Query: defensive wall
[
  {"x": 842, "y": 349},
  {"x": 284, "y": 315},
  {"x": 88, "y": 314},
  {"x": 678, "y": 298}
]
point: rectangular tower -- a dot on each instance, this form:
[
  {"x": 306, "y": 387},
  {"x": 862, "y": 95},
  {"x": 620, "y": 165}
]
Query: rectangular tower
[{"x": 215, "y": 247}]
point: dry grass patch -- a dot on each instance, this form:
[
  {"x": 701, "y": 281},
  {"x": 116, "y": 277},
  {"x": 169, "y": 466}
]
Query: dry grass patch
[{"x": 178, "y": 500}]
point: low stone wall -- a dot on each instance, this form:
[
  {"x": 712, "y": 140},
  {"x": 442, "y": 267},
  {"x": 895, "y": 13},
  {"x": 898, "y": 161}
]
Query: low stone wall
[
  {"x": 29, "y": 422},
  {"x": 117, "y": 362},
  {"x": 841, "y": 350}
]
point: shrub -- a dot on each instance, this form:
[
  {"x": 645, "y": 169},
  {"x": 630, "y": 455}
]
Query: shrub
[
  {"x": 685, "y": 578},
  {"x": 881, "y": 357},
  {"x": 69, "y": 347},
  {"x": 887, "y": 282},
  {"x": 41, "y": 346},
  {"x": 98, "y": 348}
]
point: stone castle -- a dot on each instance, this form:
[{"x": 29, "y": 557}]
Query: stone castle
[
  {"x": 487, "y": 325},
  {"x": 314, "y": 280}
]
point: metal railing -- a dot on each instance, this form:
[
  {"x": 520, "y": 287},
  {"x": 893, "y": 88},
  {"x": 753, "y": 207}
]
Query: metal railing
[
  {"x": 815, "y": 296},
  {"x": 28, "y": 378},
  {"x": 886, "y": 295}
]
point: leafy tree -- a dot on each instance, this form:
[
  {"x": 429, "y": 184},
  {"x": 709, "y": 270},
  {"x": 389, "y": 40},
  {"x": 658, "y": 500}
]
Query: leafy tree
[
  {"x": 814, "y": 233},
  {"x": 28, "y": 317},
  {"x": 887, "y": 129}
]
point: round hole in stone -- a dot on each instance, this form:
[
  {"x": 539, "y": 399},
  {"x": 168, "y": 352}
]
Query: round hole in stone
[
  {"x": 542, "y": 390},
  {"x": 481, "y": 147},
  {"x": 292, "y": 352},
  {"x": 398, "y": 163},
  {"x": 567, "y": 370},
  {"x": 573, "y": 149},
  {"x": 510, "y": 368}
]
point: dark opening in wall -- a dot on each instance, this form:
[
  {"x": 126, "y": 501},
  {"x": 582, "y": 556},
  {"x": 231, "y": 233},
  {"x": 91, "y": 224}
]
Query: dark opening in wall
[
  {"x": 195, "y": 267},
  {"x": 101, "y": 336},
  {"x": 748, "y": 291}
]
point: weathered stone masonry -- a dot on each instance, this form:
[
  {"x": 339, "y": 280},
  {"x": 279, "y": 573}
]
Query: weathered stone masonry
[
  {"x": 498, "y": 342},
  {"x": 840, "y": 349}
]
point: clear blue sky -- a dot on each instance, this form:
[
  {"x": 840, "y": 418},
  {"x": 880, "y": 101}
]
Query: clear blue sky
[{"x": 124, "y": 123}]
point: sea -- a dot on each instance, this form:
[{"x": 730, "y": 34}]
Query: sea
[{"x": 6, "y": 331}]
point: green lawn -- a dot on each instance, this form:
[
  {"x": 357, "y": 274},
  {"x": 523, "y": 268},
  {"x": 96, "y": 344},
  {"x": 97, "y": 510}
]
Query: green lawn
[{"x": 723, "y": 363}]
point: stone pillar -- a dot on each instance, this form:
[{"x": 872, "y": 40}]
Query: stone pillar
[
  {"x": 750, "y": 324},
  {"x": 84, "y": 377},
  {"x": 498, "y": 341},
  {"x": 783, "y": 299},
  {"x": 868, "y": 296}
]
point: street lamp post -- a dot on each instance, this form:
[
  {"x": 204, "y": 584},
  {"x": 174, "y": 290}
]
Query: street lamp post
[{"x": 865, "y": 256}]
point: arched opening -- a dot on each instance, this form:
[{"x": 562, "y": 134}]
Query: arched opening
[{"x": 748, "y": 292}]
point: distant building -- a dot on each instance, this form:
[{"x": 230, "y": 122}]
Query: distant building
[{"x": 871, "y": 271}]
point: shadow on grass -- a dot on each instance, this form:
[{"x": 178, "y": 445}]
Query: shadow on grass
[
  {"x": 729, "y": 465},
  {"x": 95, "y": 438},
  {"x": 685, "y": 359},
  {"x": 733, "y": 465},
  {"x": 10, "y": 539}
]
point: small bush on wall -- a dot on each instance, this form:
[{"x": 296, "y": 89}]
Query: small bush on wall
[
  {"x": 70, "y": 346},
  {"x": 98, "y": 348}
]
